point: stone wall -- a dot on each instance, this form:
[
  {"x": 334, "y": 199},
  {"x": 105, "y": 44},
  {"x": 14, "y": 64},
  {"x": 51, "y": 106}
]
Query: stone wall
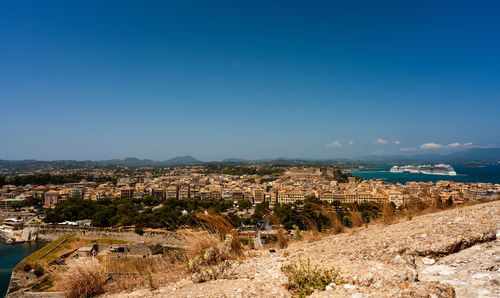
[{"x": 52, "y": 232}]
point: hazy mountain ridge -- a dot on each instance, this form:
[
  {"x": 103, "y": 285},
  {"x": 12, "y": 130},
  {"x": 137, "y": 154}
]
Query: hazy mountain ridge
[
  {"x": 469, "y": 155},
  {"x": 473, "y": 154}
]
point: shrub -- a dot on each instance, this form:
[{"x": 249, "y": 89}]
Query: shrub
[
  {"x": 27, "y": 268},
  {"x": 213, "y": 263},
  {"x": 139, "y": 231},
  {"x": 410, "y": 215},
  {"x": 332, "y": 216},
  {"x": 39, "y": 271},
  {"x": 347, "y": 221},
  {"x": 296, "y": 233},
  {"x": 303, "y": 279},
  {"x": 83, "y": 278},
  {"x": 150, "y": 281}
]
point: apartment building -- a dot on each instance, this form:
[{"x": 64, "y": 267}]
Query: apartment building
[
  {"x": 184, "y": 192},
  {"x": 126, "y": 192},
  {"x": 172, "y": 192},
  {"x": 51, "y": 199},
  {"x": 259, "y": 195}
]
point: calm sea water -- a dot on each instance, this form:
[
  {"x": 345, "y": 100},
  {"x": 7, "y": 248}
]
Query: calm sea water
[
  {"x": 10, "y": 256},
  {"x": 488, "y": 173}
]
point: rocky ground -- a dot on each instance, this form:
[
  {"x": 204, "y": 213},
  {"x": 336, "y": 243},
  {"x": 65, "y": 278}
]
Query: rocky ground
[{"x": 445, "y": 254}]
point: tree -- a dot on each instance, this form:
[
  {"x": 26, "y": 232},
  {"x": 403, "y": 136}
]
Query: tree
[
  {"x": 36, "y": 202},
  {"x": 244, "y": 205},
  {"x": 17, "y": 206}
]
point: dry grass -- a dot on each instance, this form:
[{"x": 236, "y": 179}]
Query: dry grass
[
  {"x": 83, "y": 278},
  {"x": 387, "y": 213},
  {"x": 357, "y": 220},
  {"x": 217, "y": 225},
  {"x": 197, "y": 243},
  {"x": 335, "y": 223},
  {"x": 337, "y": 226},
  {"x": 149, "y": 272},
  {"x": 209, "y": 251},
  {"x": 313, "y": 236},
  {"x": 281, "y": 237}
]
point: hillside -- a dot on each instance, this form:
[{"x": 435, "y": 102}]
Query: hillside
[{"x": 450, "y": 253}]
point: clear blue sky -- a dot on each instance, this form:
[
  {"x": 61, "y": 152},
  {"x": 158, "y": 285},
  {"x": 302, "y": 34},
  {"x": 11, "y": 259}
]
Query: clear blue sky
[{"x": 249, "y": 79}]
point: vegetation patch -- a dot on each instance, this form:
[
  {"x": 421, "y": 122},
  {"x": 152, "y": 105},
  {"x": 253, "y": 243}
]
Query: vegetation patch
[
  {"x": 44, "y": 286},
  {"x": 49, "y": 251},
  {"x": 109, "y": 241},
  {"x": 213, "y": 263},
  {"x": 303, "y": 278}
]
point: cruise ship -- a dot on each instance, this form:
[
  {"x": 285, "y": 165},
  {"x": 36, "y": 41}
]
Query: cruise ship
[{"x": 439, "y": 169}]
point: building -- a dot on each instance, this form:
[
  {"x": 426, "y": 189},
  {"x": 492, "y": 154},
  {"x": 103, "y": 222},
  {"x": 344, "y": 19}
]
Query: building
[
  {"x": 304, "y": 173},
  {"x": 51, "y": 199},
  {"x": 238, "y": 194},
  {"x": 77, "y": 192},
  {"x": 259, "y": 195},
  {"x": 7, "y": 203},
  {"x": 290, "y": 196},
  {"x": 184, "y": 192},
  {"x": 172, "y": 192},
  {"x": 159, "y": 194},
  {"x": 126, "y": 192},
  {"x": 227, "y": 194},
  {"x": 397, "y": 198}
]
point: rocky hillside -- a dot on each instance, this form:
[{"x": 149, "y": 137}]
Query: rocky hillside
[{"x": 445, "y": 254}]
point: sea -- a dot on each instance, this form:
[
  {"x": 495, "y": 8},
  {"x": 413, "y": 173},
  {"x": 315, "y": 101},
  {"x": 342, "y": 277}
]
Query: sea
[
  {"x": 10, "y": 256},
  {"x": 485, "y": 173}
]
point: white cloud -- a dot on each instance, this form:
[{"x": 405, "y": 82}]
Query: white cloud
[
  {"x": 453, "y": 145},
  {"x": 334, "y": 144},
  {"x": 397, "y": 142},
  {"x": 433, "y": 146},
  {"x": 380, "y": 141},
  {"x": 430, "y": 146},
  {"x": 351, "y": 142},
  {"x": 407, "y": 149}
]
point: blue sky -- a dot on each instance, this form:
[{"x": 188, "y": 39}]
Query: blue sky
[{"x": 249, "y": 79}]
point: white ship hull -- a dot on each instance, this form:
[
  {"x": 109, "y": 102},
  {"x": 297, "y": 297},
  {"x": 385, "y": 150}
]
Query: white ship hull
[{"x": 441, "y": 169}]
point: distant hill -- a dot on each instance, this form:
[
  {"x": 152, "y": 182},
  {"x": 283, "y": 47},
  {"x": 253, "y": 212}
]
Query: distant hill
[
  {"x": 183, "y": 160},
  {"x": 234, "y": 159},
  {"x": 467, "y": 156},
  {"x": 486, "y": 154},
  {"x": 135, "y": 162}
]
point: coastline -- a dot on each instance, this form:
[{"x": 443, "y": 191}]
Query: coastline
[{"x": 10, "y": 256}]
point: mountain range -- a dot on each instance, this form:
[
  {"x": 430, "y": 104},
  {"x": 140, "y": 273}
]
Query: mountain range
[
  {"x": 470, "y": 155},
  {"x": 135, "y": 162}
]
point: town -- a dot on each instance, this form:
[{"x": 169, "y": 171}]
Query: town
[{"x": 251, "y": 185}]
